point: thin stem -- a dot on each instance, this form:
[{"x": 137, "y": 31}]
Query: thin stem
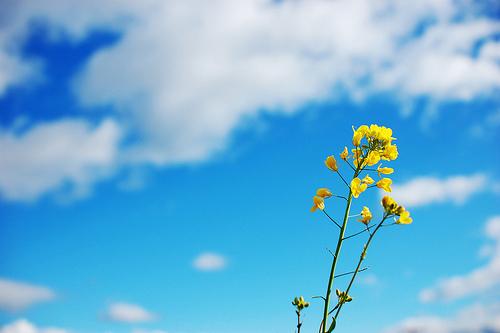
[
  {"x": 360, "y": 232},
  {"x": 334, "y": 263},
  {"x": 361, "y": 258},
  {"x": 352, "y": 272},
  {"x": 343, "y": 179},
  {"x": 299, "y": 324},
  {"x": 350, "y": 165},
  {"x": 339, "y": 196},
  {"x": 331, "y": 219}
]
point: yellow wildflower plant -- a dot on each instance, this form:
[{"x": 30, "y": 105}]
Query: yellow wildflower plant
[
  {"x": 323, "y": 193},
  {"x": 344, "y": 154},
  {"x": 385, "y": 184},
  {"x": 371, "y": 144},
  {"x": 368, "y": 180},
  {"x": 357, "y": 187},
  {"x": 366, "y": 215},
  {"x": 331, "y": 163},
  {"x": 318, "y": 203}
]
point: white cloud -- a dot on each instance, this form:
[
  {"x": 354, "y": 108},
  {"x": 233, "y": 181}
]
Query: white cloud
[
  {"x": 51, "y": 156},
  {"x": 209, "y": 262},
  {"x": 428, "y": 190},
  {"x": 479, "y": 318},
  {"x": 479, "y": 280},
  {"x": 185, "y": 74},
  {"x": 24, "y": 326},
  {"x": 129, "y": 313},
  {"x": 15, "y": 295}
]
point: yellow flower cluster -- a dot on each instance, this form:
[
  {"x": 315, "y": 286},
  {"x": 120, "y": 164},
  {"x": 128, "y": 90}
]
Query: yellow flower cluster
[
  {"x": 392, "y": 207},
  {"x": 300, "y": 303},
  {"x": 378, "y": 145},
  {"x": 372, "y": 144}
]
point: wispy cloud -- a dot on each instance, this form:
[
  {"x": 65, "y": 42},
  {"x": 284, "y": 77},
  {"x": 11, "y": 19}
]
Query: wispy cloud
[
  {"x": 209, "y": 262},
  {"x": 15, "y": 295},
  {"x": 479, "y": 280},
  {"x": 129, "y": 313},
  {"x": 479, "y": 318},
  {"x": 68, "y": 154},
  {"x": 24, "y": 326},
  {"x": 423, "y": 191}
]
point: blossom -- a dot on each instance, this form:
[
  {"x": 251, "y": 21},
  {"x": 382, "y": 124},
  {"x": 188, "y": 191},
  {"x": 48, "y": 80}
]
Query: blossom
[
  {"x": 344, "y": 154},
  {"x": 385, "y": 171},
  {"x": 318, "y": 202},
  {"x": 390, "y": 152},
  {"x": 372, "y": 158},
  {"x": 359, "y": 134},
  {"x": 385, "y": 184},
  {"x": 357, "y": 187},
  {"x": 366, "y": 215},
  {"x": 368, "y": 180},
  {"x": 390, "y": 206},
  {"x": 331, "y": 163},
  {"x": 323, "y": 193},
  {"x": 404, "y": 218}
]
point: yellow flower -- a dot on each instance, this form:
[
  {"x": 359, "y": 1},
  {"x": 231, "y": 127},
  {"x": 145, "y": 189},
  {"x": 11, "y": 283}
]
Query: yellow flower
[
  {"x": 390, "y": 206},
  {"x": 359, "y": 134},
  {"x": 344, "y": 154},
  {"x": 390, "y": 152},
  {"x": 323, "y": 193},
  {"x": 385, "y": 134},
  {"x": 331, "y": 163},
  {"x": 366, "y": 215},
  {"x": 318, "y": 202},
  {"x": 385, "y": 184},
  {"x": 373, "y": 158},
  {"x": 368, "y": 180},
  {"x": 404, "y": 218},
  {"x": 385, "y": 171},
  {"x": 357, "y": 187}
]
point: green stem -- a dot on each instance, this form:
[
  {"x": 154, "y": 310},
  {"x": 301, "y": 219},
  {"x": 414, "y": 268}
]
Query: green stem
[
  {"x": 361, "y": 258},
  {"x": 334, "y": 264}
]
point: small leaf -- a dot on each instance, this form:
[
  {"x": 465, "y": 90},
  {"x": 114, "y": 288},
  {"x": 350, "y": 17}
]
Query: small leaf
[{"x": 332, "y": 326}]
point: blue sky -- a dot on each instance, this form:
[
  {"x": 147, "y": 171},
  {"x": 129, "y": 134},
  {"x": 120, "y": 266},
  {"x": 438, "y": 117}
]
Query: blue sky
[{"x": 157, "y": 163}]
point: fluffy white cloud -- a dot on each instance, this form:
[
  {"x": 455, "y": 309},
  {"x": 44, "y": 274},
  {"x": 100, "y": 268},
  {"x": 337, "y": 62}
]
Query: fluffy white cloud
[
  {"x": 24, "y": 326},
  {"x": 428, "y": 190},
  {"x": 51, "y": 156},
  {"x": 479, "y": 318},
  {"x": 479, "y": 280},
  {"x": 209, "y": 262},
  {"x": 185, "y": 74},
  {"x": 129, "y": 313},
  {"x": 16, "y": 295}
]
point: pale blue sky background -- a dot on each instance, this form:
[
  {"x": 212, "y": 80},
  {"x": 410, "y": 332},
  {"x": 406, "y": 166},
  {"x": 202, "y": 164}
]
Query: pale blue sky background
[{"x": 157, "y": 163}]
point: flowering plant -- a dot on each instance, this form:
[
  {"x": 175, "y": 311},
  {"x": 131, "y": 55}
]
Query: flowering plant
[{"x": 372, "y": 145}]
